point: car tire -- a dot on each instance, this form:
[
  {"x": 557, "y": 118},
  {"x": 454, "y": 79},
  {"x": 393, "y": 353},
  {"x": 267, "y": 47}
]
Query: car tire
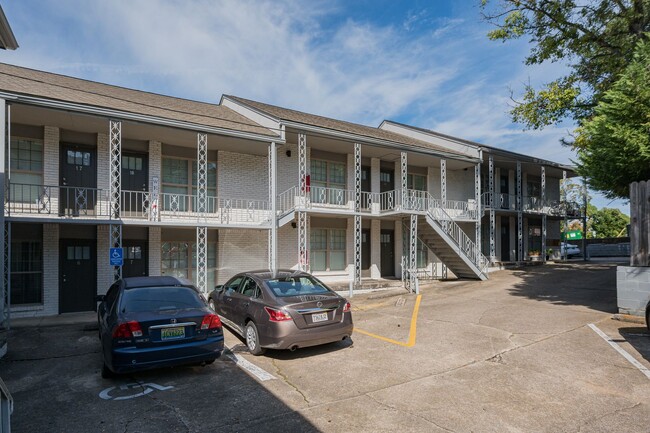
[
  {"x": 253, "y": 339},
  {"x": 212, "y": 305},
  {"x": 206, "y": 363},
  {"x": 106, "y": 372}
]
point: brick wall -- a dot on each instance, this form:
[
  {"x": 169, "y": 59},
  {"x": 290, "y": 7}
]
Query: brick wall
[
  {"x": 242, "y": 176},
  {"x": 50, "y": 269},
  {"x": 241, "y": 250},
  {"x": 154, "y": 251},
  {"x": 287, "y": 247},
  {"x": 632, "y": 289},
  {"x": 155, "y": 162},
  {"x": 104, "y": 269},
  {"x": 51, "y": 163}
]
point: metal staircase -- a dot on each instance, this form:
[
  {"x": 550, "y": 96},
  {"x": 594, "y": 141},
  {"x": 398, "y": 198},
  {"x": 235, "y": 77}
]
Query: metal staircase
[{"x": 436, "y": 228}]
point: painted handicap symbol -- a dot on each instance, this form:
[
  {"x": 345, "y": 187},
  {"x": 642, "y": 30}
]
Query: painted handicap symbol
[{"x": 146, "y": 389}]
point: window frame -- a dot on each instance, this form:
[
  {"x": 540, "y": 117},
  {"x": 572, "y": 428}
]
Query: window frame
[
  {"x": 36, "y": 190},
  {"x": 328, "y": 249},
  {"x": 192, "y": 183}
]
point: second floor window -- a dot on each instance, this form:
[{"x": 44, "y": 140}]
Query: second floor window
[
  {"x": 417, "y": 182},
  {"x": 179, "y": 183},
  {"x": 328, "y": 182},
  {"x": 26, "y": 164}
]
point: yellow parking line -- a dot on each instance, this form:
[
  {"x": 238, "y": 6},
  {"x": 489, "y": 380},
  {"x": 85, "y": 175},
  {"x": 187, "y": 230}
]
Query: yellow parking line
[{"x": 411, "y": 341}]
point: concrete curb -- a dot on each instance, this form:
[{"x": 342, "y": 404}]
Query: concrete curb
[{"x": 629, "y": 318}]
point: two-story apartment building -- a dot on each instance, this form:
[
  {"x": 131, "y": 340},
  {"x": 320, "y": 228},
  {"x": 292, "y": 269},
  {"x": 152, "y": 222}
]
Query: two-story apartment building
[{"x": 204, "y": 191}]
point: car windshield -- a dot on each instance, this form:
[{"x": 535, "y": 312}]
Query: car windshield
[
  {"x": 141, "y": 299},
  {"x": 296, "y": 286}
]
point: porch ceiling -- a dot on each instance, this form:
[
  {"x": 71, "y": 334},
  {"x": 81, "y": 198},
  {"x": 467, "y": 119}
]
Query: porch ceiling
[{"x": 38, "y": 116}]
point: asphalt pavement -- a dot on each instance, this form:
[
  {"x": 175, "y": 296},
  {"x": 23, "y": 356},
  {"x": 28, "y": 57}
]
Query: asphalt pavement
[{"x": 519, "y": 353}]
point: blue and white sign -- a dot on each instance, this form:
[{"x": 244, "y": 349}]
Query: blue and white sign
[{"x": 116, "y": 257}]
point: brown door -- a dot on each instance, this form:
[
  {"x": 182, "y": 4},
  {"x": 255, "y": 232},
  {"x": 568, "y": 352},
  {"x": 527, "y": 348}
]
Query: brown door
[
  {"x": 365, "y": 249},
  {"x": 78, "y": 180},
  {"x": 134, "y": 182},
  {"x": 387, "y": 242},
  {"x": 135, "y": 258},
  {"x": 77, "y": 275}
]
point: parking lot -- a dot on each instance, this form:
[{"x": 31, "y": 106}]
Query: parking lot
[{"x": 515, "y": 353}]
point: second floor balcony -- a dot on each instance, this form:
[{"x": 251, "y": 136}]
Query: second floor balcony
[
  {"x": 68, "y": 202},
  {"x": 530, "y": 204}
]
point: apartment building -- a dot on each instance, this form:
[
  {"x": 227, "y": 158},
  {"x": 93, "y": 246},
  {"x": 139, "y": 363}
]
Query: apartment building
[{"x": 203, "y": 191}]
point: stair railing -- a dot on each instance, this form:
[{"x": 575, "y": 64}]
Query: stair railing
[{"x": 457, "y": 235}]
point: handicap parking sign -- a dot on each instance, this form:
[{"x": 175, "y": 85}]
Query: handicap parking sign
[{"x": 116, "y": 257}]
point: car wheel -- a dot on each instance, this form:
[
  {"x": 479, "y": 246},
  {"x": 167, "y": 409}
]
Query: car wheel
[
  {"x": 211, "y": 304},
  {"x": 253, "y": 339},
  {"x": 106, "y": 372}
]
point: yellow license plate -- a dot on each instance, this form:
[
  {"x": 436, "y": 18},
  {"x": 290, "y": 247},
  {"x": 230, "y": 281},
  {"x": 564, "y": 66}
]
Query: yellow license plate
[{"x": 172, "y": 333}]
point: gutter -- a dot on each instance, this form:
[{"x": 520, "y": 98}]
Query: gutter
[
  {"x": 141, "y": 118},
  {"x": 377, "y": 142}
]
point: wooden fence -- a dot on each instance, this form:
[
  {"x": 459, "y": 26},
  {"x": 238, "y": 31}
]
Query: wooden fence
[{"x": 640, "y": 223}]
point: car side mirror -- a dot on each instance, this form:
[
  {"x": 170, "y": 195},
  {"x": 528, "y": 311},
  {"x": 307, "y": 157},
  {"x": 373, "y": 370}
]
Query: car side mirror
[
  {"x": 218, "y": 287},
  {"x": 99, "y": 298}
]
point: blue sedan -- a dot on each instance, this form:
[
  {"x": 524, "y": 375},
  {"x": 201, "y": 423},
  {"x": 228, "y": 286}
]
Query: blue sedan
[{"x": 151, "y": 322}]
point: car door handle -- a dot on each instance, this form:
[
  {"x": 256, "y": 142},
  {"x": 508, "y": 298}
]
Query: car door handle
[
  {"x": 229, "y": 299},
  {"x": 246, "y": 304}
]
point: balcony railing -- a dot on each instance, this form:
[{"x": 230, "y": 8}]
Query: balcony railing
[
  {"x": 65, "y": 201},
  {"x": 372, "y": 203},
  {"x": 532, "y": 204}
]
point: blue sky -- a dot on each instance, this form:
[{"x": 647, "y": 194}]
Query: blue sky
[{"x": 425, "y": 63}]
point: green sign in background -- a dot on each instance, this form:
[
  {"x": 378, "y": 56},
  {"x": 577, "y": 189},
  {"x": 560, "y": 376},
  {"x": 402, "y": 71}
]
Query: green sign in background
[{"x": 574, "y": 234}]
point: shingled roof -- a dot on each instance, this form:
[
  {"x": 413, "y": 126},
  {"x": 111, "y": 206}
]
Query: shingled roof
[
  {"x": 25, "y": 81},
  {"x": 285, "y": 114}
]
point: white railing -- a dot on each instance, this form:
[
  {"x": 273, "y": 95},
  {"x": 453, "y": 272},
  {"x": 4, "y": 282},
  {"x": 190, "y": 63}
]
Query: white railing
[
  {"x": 169, "y": 206},
  {"x": 467, "y": 246},
  {"x": 64, "y": 201}
]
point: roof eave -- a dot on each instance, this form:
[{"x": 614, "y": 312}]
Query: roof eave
[
  {"x": 375, "y": 141},
  {"x": 125, "y": 115},
  {"x": 7, "y": 38}
]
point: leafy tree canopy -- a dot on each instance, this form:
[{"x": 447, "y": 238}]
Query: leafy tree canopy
[
  {"x": 614, "y": 144},
  {"x": 596, "y": 38},
  {"x": 609, "y": 223}
]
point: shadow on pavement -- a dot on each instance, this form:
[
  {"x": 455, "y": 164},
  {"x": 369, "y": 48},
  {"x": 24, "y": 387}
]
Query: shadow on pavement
[
  {"x": 54, "y": 376},
  {"x": 639, "y": 338},
  {"x": 592, "y": 285}
]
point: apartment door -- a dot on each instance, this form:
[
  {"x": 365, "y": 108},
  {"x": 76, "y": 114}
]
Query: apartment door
[
  {"x": 505, "y": 192},
  {"x": 387, "y": 184},
  {"x": 78, "y": 180},
  {"x": 134, "y": 180},
  {"x": 505, "y": 239},
  {"x": 387, "y": 242},
  {"x": 365, "y": 249},
  {"x": 77, "y": 275},
  {"x": 135, "y": 258}
]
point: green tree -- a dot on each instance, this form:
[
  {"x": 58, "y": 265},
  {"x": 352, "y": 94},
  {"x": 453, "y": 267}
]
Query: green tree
[
  {"x": 614, "y": 145},
  {"x": 595, "y": 38},
  {"x": 609, "y": 223}
]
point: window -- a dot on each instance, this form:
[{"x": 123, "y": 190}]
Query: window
[
  {"x": 26, "y": 272},
  {"x": 327, "y": 249},
  {"x": 76, "y": 157},
  {"x": 249, "y": 288},
  {"x": 327, "y": 180},
  {"x": 26, "y": 165},
  {"x": 78, "y": 253},
  {"x": 417, "y": 182},
  {"x": 180, "y": 177},
  {"x": 421, "y": 252},
  {"x": 179, "y": 260},
  {"x": 132, "y": 163}
]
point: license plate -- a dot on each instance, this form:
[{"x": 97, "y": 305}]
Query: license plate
[
  {"x": 172, "y": 333},
  {"x": 320, "y": 317}
]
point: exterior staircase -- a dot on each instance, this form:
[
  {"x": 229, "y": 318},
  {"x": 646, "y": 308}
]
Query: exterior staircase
[{"x": 460, "y": 259}]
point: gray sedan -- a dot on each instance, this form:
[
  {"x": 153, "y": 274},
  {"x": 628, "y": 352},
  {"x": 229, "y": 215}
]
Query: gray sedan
[{"x": 288, "y": 310}]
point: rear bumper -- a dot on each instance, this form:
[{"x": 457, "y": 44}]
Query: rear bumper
[
  {"x": 284, "y": 335},
  {"x": 131, "y": 358}
]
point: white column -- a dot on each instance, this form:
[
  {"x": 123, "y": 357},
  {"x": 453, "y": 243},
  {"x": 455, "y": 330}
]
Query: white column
[
  {"x": 520, "y": 217},
  {"x": 375, "y": 249},
  {"x": 5, "y": 240},
  {"x": 443, "y": 180},
  {"x": 273, "y": 233},
  {"x": 544, "y": 207},
  {"x": 493, "y": 256}
]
